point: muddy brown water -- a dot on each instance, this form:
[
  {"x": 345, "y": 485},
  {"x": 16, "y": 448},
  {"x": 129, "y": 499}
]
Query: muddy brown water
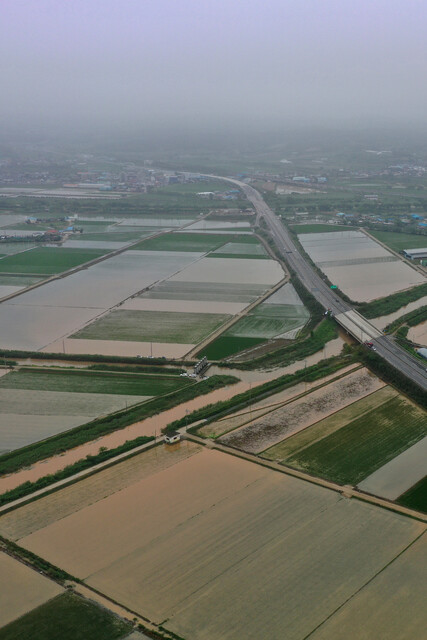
[{"x": 152, "y": 426}]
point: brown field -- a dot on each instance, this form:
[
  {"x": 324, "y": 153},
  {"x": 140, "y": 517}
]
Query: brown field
[
  {"x": 263, "y": 406},
  {"x": 392, "y": 606},
  {"x": 22, "y": 589},
  {"x": 32, "y": 517},
  {"x": 216, "y": 547},
  {"x": 287, "y": 420}
]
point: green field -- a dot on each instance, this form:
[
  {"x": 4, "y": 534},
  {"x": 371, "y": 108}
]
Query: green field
[
  {"x": 153, "y": 326},
  {"x": 92, "y": 382},
  {"x": 67, "y": 617},
  {"x": 319, "y": 228},
  {"x": 18, "y": 281},
  {"x": 270, "y": 320},
  {"x": 48, "y": 260},
  {"x": 365, "y": 444},
  {"x": 240, "y": 250},
  {"x": 212, "y": 291},
  {"x": 415, "y": 497},
  {"x": 226, "y": 345},
  {"x": 400, "y": 241},
  {"x": 202, "y": 242}
]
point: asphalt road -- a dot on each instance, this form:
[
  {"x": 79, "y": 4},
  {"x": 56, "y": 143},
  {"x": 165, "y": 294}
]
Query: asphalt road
[{"x": 385, "y": 346}]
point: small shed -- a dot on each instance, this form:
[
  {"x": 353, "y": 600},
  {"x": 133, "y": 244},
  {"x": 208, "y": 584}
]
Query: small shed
[{"x": 172, "y": 437}]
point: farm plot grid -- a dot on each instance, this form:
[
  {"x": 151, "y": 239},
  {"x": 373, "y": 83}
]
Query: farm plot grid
[
  {"x": 348, "y": 258},
  {"x": 280, "y": 423},
  {"x": 38, "y": 404},
  {"x": 171, "y": 321},
  {"x": 282, "y": 316},
  {"x": 362, "y": 444},
  {"x": 38, "y": 318},
  {"x": 239, "y": 528},
  {"x": 153, "y": 326}
]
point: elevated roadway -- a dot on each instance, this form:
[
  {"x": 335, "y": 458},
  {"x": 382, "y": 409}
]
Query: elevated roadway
[{"x": 358, "y": 326}]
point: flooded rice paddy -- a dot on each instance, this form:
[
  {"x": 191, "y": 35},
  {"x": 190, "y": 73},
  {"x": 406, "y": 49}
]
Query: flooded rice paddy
[
  {"x": 245, "y": 271},
  {"x": 127, "y": 348},
  {"x": 28, "y": 416},
  {"x": 53, "y": 311},
  {"x": 348, "y": 258}
]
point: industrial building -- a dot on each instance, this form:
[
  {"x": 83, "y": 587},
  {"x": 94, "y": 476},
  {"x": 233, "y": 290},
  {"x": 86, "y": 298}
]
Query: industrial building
[{"x": 415, "y": 254}]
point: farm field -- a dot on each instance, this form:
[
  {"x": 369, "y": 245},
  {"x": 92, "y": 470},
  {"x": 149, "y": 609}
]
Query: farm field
[
  {"x": 139, "y": 384},
  {"x": 363, "y": 445},
  {"x": 145, "y": 303},
  {"x": 347, "y": 259},
  {"x": 186, "y": 241},
  {"x": 38, "y": 318},
  {"x": 264, "y": 406},
  {"x": 400, "y": 474},
  {"x": 47, "y": 260},
  {"x": 239, "y": 527},
  {"x": 206, "y": 291},
  {"x": 415, "y": 497},
  {"x": 240, "y": 250},
  {"x": 71, "y": 616},
  {"x": 29, "y": 416},
  {"x": 153, "y": 326},
  {"x": 229, "y": 270},
  {"x": 219, "y": 225},
  {"x": 26, "y": 589},
  {"x": 319, "y": 228},
  {"x": 391, "y": 606},
  {"x": 29, "y": 518},
  {"x": 35, "y": 405},
  {"x": 288, "y": 419},
  {"x": 400, "y": 241},
  {"x": 323, "y": 428},
  {"x": 282, "y": 315},
  {"x": 162, "y": 316},
  {"x": 127, "y": 348}
]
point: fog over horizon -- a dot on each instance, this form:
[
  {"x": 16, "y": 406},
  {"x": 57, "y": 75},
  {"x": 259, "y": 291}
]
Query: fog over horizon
[{"x": 212, "y": 65}]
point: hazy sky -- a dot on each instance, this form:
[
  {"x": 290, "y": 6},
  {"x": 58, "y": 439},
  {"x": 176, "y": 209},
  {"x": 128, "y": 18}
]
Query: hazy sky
[{"x": 213, "y": 62}]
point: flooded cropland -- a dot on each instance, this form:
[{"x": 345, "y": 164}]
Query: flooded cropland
[
  {"x": 27, "y": 416},
  {"x": 56, "y": 309},
  {"x": 227, "y": 517},
  {"x": 418, "y": 334},
  {"x": 350, "y": 258},
  {"x": 382, "y": 321},
  {"x": 262, "y": 272}
]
